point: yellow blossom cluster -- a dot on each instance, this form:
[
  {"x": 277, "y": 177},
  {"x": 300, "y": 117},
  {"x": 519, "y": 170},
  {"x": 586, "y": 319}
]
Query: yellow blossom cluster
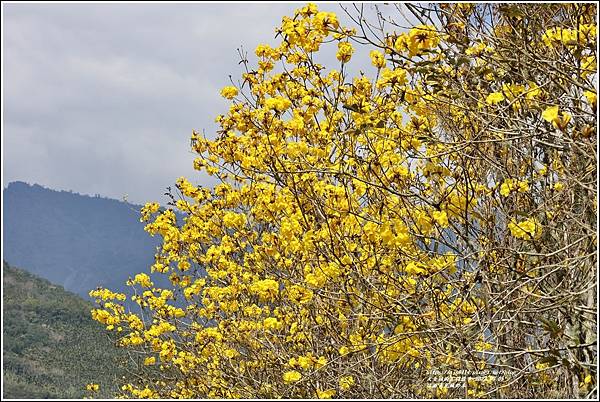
[
  {"x": 527, "y": 229},
  {"x": 354, "y": 220},
  {"x": 513, "y": 185}
]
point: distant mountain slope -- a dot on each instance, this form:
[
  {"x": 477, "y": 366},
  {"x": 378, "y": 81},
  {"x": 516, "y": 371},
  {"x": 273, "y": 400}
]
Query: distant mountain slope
[
  {"x": 76, "y": 241},
  {"x": 52, "y": 347}
]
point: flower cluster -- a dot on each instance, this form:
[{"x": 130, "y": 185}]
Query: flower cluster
[{"x": 355, "y": 217}]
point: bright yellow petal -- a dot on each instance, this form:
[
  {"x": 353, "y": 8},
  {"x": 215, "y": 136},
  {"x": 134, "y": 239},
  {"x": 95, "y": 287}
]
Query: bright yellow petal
[
  {"x": 494, "y": 98},
  {"x": 550, "y": 113}
]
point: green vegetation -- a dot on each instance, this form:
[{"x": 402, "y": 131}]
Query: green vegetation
[{"x": 52, "y": 348}]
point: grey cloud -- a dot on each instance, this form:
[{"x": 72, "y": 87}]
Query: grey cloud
[{"x": 102, "y": 98}]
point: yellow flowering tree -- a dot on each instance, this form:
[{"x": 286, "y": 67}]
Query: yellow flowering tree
[{"x": 436, "y": 213}]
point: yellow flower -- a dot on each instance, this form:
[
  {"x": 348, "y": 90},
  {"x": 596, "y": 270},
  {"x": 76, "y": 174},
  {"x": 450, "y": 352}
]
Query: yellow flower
[
  {"x": 309, "y": 9},
  {"x": 230, "y": 353},
  {"x": 591, "y": 97},
  {"x": 272, "y": 323},
  {"x": 328, "y": 394},
  {"x": 510, "y": 185},
  {"x": 321, "y": 361},
  {"x": 346, "y": 382},
  {"x": 587, "y": 32},
  {"x": 263, "y": 50},
  {"x": 556, "y": 35},
  {"x": 305, "y": 361},
  {"x": 533, "y": 91},
  {"x": 345, "y": 51},
  {"x": 588, "y": 65},
  {"x": 392, "y": 78},
  {"x": 326, "y": 20},
  {"x": 542, "y": 170},
  {"x": 527, "y": 229},
  {"x": 483, "y": 346},
  {"x": 400, "y": 43},
  {"x": 266, "y": 289},
  {"x": 522, "y": 186},
  {"x": 422, "y": 37},
  {"x": 278, "y": 103},
  {"x": 494, "y": 98},
  {"x": 550, "y": 114},
  {"x": 299, "y": 295},
  {"x": 229, "y": 92},
  {"x": 441, "y": 218},
  {"x": 505, "y": 188},
  {"x": 149, "y": 209},
  {"x": 377, "y": 59},
  {"x": 143, "y": 280},
  {"x": 562, "y": 121},
  {"x": 315, "y": 280},
  {"x": 149, "y": 361},
  {"x": 291, "y": 376},
  {"x": 92, "y": 387}
]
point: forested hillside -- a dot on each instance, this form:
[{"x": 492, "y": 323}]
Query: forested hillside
[{"x": 52, "y": 348}]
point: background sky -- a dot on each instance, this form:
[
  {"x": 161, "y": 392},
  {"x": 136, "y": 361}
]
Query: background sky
[{"x": 102, "y": 98}]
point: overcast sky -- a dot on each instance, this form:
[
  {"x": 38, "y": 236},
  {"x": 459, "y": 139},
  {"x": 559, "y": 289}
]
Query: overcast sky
[{"x": 102, "y": 98}]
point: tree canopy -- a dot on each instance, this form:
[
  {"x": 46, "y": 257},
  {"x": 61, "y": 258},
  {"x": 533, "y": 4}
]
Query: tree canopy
[{"x": 433, "y": 216}]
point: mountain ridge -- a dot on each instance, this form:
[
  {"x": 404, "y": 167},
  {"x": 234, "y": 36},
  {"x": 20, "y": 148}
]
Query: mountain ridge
[{"x": 77, "y": 241}]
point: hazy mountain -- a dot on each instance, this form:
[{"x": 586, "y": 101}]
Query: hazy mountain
[
  {"x": 76, "y": 241},
  {"x": 52, "y": 347}
]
